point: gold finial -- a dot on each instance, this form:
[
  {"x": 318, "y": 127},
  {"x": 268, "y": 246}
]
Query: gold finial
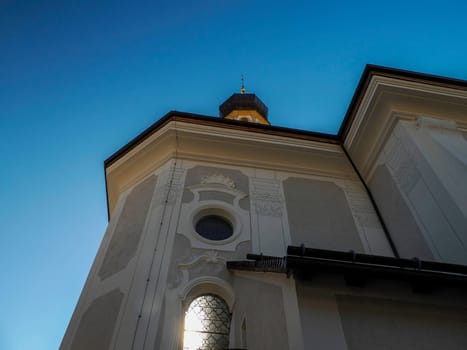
[{"x": 243, "y": 90}]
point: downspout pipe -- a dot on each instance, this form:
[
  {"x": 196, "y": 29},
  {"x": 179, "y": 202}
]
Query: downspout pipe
[{"x": 375, "y": 207}]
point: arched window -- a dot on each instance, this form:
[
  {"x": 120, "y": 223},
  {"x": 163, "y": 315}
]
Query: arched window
[{"x": 207, "y": 324}]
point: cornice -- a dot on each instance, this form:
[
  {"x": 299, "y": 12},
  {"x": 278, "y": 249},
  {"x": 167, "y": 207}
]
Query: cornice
[
  {"x": 207, "y": 133},
  {"x": 212, "y": 143},
  {"x": 383, "y": 97},
  {"x": 387, "y": 100},
  {"x": 228, "y": 124},
  {"x": 400, "y": 75},
  {"x": 403, "y": 87}
]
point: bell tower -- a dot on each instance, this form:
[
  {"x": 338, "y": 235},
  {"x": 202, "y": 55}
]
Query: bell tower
[{"x": 244, "y": 107}]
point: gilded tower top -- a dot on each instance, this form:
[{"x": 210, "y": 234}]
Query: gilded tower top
[{"x": 244, "y": 107}]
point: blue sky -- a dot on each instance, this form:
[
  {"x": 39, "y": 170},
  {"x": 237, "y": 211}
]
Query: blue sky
[{"x": 79, "y": 79}]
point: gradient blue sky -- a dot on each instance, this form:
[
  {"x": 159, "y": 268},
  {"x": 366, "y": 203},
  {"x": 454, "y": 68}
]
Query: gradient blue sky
[{"x": 79, "y": 79}]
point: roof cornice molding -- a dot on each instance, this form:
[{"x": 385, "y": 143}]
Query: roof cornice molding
[
  {"x": 410, "y": 79},
  {"x": 383, "y": 97},
  {"x": 184, "y": 139},
  {"x": 227, "y": 124},
  {"x": 383, "y": 100},
  {"x": 185, "y": 127},
  {"x": 372, "y": 77}
]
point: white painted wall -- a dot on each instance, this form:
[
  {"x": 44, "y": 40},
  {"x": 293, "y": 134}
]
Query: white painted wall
[{"x": 428, "y": 161}]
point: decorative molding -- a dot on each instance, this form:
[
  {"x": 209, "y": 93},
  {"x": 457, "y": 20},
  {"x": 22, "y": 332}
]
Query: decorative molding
[
  {"x": 238, "y": 216},
  {"x": 249, "y": 136},
  {"x": 360, "y": 205},
  {"x": 210, "y": 257},
  {"x": 208, "y": 263},
  {"x": 219, "y": 179},
  {"x": 169, "y": 193},
  {"x": 402, "y": 164},
  {"x": 208, "y": 284},
  {"x": 196, "y": 189},
  {"x": 377, "y": 82},
  {"x": 267, "y": 197},
  {"x": 424, "y": 122}
]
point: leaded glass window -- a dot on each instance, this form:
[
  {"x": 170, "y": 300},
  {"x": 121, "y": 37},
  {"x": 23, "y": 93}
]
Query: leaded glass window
[{"x": 207, "y": 324}]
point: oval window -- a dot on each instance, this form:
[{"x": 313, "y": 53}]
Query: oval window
[{"x": 214, "y": 227}]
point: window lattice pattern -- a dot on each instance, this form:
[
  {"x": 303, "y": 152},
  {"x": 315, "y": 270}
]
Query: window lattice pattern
[{"x": 207, "y": 324}]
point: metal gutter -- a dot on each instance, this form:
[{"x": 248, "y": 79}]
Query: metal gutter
[{"x": 357, "y": 268}]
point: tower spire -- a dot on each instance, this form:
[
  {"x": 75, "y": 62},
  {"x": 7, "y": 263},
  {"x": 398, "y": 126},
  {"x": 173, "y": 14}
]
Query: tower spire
[{"x": 245, "y": 107}]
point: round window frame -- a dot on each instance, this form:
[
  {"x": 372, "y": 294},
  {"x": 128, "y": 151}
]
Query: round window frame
[
  {"x": 217, "y": 210},
  {"x": 225, "y": 227}
]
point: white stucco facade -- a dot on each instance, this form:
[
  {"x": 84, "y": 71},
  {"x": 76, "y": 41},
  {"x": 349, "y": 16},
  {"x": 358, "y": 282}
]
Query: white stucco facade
[{"x": 280, "y": 188}]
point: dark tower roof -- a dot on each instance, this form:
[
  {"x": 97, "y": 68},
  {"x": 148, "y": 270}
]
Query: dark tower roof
[{"x": 243, "y": 102}]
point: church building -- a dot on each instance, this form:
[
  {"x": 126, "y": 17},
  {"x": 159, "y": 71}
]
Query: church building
[{"x": 230, "y": 233}]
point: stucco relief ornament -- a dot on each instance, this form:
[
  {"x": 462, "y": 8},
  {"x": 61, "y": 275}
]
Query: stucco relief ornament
[
  {"x": 218, "y": 179},
  {"x": 268, "y": 208},
  {"x": 210, "y": 263},
  {"x": 403, "y": 165},
  {"x": 267, "y": 198},
  {"x": 210, "y": 257},
  {"x": 360, "y": 205},
  {"x": 169, "y": 192}
]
